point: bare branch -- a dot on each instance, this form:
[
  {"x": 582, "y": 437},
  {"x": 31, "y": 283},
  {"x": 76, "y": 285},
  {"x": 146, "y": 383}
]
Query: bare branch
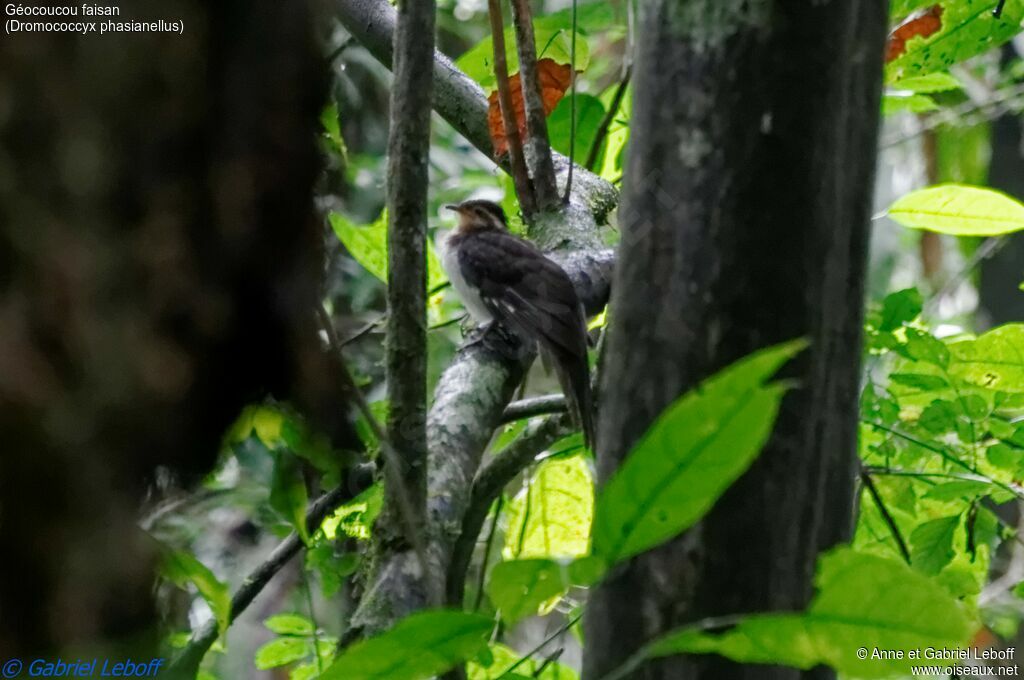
[
  {"x": 534, "y": 406},
  {"x": 542, "y": 169},
  {"x": 609, "y": 118},
  {"x": 521, "y": 177}
]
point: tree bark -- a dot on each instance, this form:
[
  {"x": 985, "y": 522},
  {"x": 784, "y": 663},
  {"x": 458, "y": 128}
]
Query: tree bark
[
  {"x": 745, "y": 222},
  {"x": 1001, "y": 299},
  {"x": 406, "y": 344}
]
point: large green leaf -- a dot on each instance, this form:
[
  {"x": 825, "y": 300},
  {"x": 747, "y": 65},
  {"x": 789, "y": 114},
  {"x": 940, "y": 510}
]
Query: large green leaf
[
  {"x": 182, "y": 567},
  {"x": 959, "y": 210},
  {"x": 995, "y": 360},
  {"x": 931, "y": 544},
  {"x": 421, "y": 645},
  {"x": 864, "y": 602},
  {"x": 968, "y": 29},
  {"x": 553, "y": 41},
  {"x": 518, "y": 588},
  {"x": 368, "y": 245},
  {"x": 690, "y": 456},
  {"x": 589, "y": 114},
  {"x": 552, "y": 517},
  {"x": 499, "y": 658}
]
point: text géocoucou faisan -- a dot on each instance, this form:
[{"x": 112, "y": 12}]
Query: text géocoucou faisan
[{"x": 54, "y": 22}]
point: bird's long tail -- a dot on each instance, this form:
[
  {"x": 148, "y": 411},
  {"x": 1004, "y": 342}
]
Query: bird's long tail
[{"x": 574, "y": 377}]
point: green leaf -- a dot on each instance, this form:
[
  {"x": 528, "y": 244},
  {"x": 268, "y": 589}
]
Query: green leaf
[
  {"x": 899, "y": 9},
  {"x": 912, "y": 103},
  {"x": 931, "y": 544},
  {"x": 994, "y": 361},
  {"x": 518, "y": 588},
  {"x": 968, "y": 29},
  {"x": 924, "y": 347},
  {"x": 899, "y": 308},
  {"x": 282, "y": 651},
  {"x": 959, "y": 210},
  {"x": 863, "y": 601},
  {"x": 289, "y": 624},
  {"x": 182, "y": 567},
  {"x": 930, "y": 83},
  {"x": 368, "y": 245},
  {"x": 421, "y": 645},
  {"x": 288, "y": 492},
  {"x": 552, "y": 517},
  {"x": 589, "y": 114},
  {"x": 355, "y": 519},
  {"x": 553, "y": 42},
  {"x": 690, "y": 455}
]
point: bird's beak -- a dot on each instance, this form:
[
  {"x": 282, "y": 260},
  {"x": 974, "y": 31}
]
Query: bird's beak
[{"x": 454, "y": 207}]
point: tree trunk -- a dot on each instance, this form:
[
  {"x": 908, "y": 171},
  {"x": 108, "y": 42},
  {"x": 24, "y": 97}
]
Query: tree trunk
[
  {"x": 1001, "y": 299},
  {"x": 159, "y": 257},
  {"x": 745, "y": 222}
]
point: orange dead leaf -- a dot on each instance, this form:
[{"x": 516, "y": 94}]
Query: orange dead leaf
[
  {"x": 554, "y": 80},
  {"x": 921, "y": 24}
]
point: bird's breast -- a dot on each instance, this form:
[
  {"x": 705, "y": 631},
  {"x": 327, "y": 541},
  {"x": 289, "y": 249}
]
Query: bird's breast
[{"x": 468, "y": 293}]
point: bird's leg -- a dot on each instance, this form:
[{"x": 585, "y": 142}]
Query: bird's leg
[{"x": 496, "y": 338}]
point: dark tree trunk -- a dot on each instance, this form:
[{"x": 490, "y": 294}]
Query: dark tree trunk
[
  {"x": 158, "y": 265},
  {"x": 745, "y": 222},
  {"x": 1001, "y": 298}
]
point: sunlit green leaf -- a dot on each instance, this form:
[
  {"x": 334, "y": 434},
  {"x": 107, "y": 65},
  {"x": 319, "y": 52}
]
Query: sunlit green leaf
[
  {"x": 863, "y": 601},
  {"x": 899, "y": 308},
  {"x": 932, "y": 82},
  {"x": 690, "y": 456},
  {"x": 500, "y": 658},
  {"x": 368, "y": 245},
  {"x": 421, "y": 645},
  {"x": 289, "y": 624},
  {"x": 552, "y": 518},
  {"x": 589, "y": 114},
  {"x": 995, "y": 360},
  {"x": 282, "y": 651},
  {"x": 959, "y": 210}
]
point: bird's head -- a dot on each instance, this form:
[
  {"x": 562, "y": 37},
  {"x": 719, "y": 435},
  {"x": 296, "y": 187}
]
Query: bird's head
[{"x": 478, "y": 215}]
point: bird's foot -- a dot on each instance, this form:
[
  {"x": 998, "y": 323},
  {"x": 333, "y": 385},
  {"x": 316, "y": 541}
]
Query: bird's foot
[{"x": 495, "y": 337}]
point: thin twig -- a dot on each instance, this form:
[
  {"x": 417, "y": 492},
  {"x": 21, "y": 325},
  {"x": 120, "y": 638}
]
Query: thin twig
[
  {"x": 517, "y": 159},
  {"x": 572, "y": 109},
  {"x": 542, "y": 169},
  {"x": 391, "y": 458},
  {"x": 487, "y": 553},
  {"x": 998, "y": 11},
  {"x": 869, "y": 484},
  {"x": 609, "y": 118},
  {"x": 548, "y": 660},
  {"x": 187, "y": 662},
  {"x": 363, "y": 331},
  {"x": 534, "y": 406},
  {"x": 568, "y": 624}
]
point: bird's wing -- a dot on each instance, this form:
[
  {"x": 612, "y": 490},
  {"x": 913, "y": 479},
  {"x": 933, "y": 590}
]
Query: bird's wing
[{"x": 525, "y": 289}]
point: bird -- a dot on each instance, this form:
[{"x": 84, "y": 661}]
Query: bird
[{"x": 503, "y": 279}]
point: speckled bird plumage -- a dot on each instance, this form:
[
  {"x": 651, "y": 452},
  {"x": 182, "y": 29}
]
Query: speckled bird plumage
[{"x": 501, "y": 277}]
